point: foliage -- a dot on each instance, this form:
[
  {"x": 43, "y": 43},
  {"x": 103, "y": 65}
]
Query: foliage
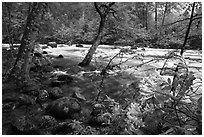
[{"x": 128, "y": 23}]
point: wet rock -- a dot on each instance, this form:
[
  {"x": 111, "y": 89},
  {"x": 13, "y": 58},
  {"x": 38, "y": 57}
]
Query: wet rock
[
  {"x": 65, "y": 78},
  {"x": 134, "y": 47},
  {"x": 43, "y": 96},
  {"x": 24, "y": 125},
  {"x": 64, "y": 108},
  {"x": 47, "y": 121},
  {"x": 44, "y": 47},
  {"x": 58, "y": 67},
  {"x": 44, "y": 52},
  {"x": 56, "y": 83},
  {"x": 60, "y": 56},
  {"x": 37, "y": 54},
  {"x": 79, "y": 45},
  {"x": 52, "y": 44},
  {"x": 56, "y": 93}
]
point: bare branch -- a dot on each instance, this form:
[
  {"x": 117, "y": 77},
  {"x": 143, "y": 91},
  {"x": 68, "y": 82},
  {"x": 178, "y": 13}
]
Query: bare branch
[
  {"x": 97, "y": 9},
  {"x": 198, "y": 16}
]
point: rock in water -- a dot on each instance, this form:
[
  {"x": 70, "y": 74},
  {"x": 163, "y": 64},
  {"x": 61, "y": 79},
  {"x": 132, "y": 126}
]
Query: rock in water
[
  {"x": 64, "y": 108},
  {"x": 65, "y": 78},
  {"x": 134, "y": 47},
  {"x": 60, "y": 56},
  {"x": 37, "y": 54},
  {"x": 79, "y": 45},
  {"x": 52, "y": 44},
  {"x": 56, "y": 93},
  {"x": 56, "y": 83},
  {"x": 44, "y": 52},
  {"x": 24, "y": 125}
]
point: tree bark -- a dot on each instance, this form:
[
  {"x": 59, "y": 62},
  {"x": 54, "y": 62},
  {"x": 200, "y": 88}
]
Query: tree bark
[
  {"x": 25, "y": 39},
  {"x": 155, "y": 16},
  {"x": 86, "y": 61},
  {"x": 27, "y": 62},
  {"x": 188, "y": 30},
  {"x": 163, "y": 19},
  {"x": 146, "y": 25}
]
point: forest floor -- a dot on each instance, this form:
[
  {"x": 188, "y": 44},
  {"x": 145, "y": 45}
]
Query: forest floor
[{"x": 88, "y": 79}]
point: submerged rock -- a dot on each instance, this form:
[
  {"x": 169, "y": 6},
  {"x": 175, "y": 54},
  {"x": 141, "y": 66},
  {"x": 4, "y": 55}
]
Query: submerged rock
[
  {"x": 79, "y": 45},
  {"x": 65, "y": 78},
  {"x": 64, "y": 108}
]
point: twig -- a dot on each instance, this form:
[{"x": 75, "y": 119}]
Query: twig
[{"x": 103, "y": 73}]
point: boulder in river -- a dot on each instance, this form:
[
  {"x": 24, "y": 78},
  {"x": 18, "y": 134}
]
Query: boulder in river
[
  {"x": 52, "y": 44},
  {"x": 44, "y": 52},
  {"x": 60, "y": 56},
  {"x": 79, "y": 45}
]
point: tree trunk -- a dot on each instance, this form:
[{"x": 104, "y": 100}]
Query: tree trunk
[
  {"x": 86, "y": 61},
  {"x": 163, "y": 19},
  {"x": 188, "y": 30},
  {"x": 146, "y": 25},
  {"x": 8, "y": 26},
  {"x": 95, "y": 45},
  {"x": 25, "y": 39},
  {"x": 27, "y": 62},
  {"x": 155, "y": 16}
]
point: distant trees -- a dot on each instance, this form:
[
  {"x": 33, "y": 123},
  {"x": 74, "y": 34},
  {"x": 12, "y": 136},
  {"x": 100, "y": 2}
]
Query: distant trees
[{"x": 132, "y": 22}]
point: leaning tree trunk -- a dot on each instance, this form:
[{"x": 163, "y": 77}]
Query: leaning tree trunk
[
  {"x": 86, "y": 61},
  {"x": 95, "y": 45}
]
